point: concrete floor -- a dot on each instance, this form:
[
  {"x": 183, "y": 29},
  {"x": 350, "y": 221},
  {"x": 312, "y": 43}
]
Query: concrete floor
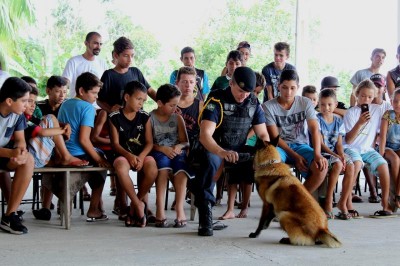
[{"x": 365, "y": 242}]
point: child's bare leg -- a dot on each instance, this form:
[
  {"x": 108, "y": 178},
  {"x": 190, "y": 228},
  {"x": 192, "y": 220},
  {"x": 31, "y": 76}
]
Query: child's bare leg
[
  {"x": 315, "y": 179},
  {"x": 345, "y": 203},
  {"x": 229, "y": 214},
  {"x": 21, "y": 180},
  {"x": 180, "y": 181},
  {"x": 161, "y": 186},
  {"x": 47, "y": 197},
  {"x": 383, "y": 172},
  {"x": 357, "y": 169},
  {"x": 146, "y": 178},
  {"x": 332, "y": 180},
  {"x": 394, "y": 161},
  {"x": 246, "y": 188}
]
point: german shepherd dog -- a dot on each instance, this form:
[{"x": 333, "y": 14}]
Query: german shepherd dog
[{"x": 285, "y": 197}]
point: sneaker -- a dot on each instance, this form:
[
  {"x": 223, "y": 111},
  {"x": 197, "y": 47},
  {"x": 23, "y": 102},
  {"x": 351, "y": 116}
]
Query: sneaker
[{"x": 12, "y": 224}]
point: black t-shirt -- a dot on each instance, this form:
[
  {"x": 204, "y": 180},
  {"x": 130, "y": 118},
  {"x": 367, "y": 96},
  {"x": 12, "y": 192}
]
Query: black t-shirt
[
  {"x": 114, "y": 84},
  {"x": 46, "y": 108},
  {"x": 131, "y": 132}
]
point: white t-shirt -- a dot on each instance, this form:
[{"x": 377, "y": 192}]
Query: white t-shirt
[
  {"x": 363, "y": 143},
  {"x": 78, "y": 65}
]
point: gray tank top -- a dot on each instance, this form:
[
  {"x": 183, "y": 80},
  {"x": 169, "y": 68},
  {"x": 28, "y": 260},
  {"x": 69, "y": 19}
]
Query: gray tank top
[{"x": 165, "y": 133}]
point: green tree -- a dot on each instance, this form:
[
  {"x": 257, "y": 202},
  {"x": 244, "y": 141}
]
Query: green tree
[{"x": 14, "y": 15}]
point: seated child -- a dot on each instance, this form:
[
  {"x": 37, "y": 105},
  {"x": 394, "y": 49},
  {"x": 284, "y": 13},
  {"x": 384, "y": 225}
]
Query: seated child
[
  {"x": 361, "y": 129},
  {"x": 44, "y": 136},
  {"x": 14, "y": 95},
  {"x": 389, "y": 146},
  {"x": 132, "y": 139},
  {"x": 170, "y": 141},
  {"x": 332, "y": 132},
  {"x": 311, "y": 93},
  {"x": 330, "y": 82},
  {"x": 80, "y": 114}
]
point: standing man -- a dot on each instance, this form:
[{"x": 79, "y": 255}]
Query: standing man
[
  {"x": 377, "y": 59},
  {"x": 188, "y": 58},
  {"x": 393, "y": 76},
  {"x": 273, "y": 70},
  {"x": 87, "y": 62},
  {"x": 239, "y": 110}
]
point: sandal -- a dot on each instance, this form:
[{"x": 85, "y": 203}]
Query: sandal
[
  {"x": 128, "y": 218},
  {"x": 355, "y": 214},
  {"x": 113, "y": 192},
  {"x": 329, "y": 215},
  {"x": 161, "y": 223},
  {"x": 142, "y": 221},
  {"x": 343, "y": 216},
  {"x": 179, "y": 223},
  {"x": 374, "y": 199},
  {"x": 383, "y": 214}
]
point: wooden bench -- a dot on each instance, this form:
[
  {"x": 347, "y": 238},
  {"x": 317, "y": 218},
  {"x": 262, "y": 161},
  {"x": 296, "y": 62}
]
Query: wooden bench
[{"x": 72, "y": 180}]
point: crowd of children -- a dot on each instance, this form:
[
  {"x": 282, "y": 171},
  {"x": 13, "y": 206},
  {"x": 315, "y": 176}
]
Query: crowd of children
[{"x": 317, "y": 134}]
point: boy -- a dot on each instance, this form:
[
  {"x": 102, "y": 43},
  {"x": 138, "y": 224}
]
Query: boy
[
  {"x": 332, "y": 132},
  {"x": 377, "y": 59},
  {"x": 330, "y": 82},
  {"x": 80, "y": 113},
  {"x": 42, "y": 136},
  {"x": 188, "y": 58},
  {"x": 311, "y": 93},
  {"x": 361, "y": 129},
  {"x": 233, "y": 60},
  {"x": 170, "y": 142},
  {"x": 56, "y": 90},
  {"x": 14, "y": 95},
  {"x": 393, "y": 76},
  {"x": 286, "y": 116},
  {"x": 273, "y": 70},
  {"x": 114, "y": 80}
]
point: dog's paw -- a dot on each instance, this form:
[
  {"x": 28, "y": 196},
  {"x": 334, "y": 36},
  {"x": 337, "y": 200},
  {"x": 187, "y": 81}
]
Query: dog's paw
[
  {"x": 253, "y": 235},
  {"x": 285, "y": 241}
]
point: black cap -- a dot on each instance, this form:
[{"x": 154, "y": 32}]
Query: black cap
[
  {"x": 329, "y": 82},
  {"x": 245, "y": 78}
]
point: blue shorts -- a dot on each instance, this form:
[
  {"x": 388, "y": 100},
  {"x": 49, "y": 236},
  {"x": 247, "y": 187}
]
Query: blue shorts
[
  {"x": 176, "y": 165},
  {"x": 303, "y": 150},
  {"x": 372, "y": 159}
]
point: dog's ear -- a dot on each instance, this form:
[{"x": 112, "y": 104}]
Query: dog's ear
[
  {"x": 275, "y": 141},
  {"x": 259, "y": 144}
]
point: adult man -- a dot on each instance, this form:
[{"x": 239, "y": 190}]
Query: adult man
[
  {"x": 223, "y": 140},
  {"x": 273, "y": 70},
  {"x": 87, "y": 62},
  {"x": 188, "y": 58},
  {"x": 393, "y": 76},
  {"x": 377, "y": 59}
]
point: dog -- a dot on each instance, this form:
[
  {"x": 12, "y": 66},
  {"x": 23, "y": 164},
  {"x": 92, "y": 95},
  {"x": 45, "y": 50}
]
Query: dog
[{"x": 285, "y": 197}]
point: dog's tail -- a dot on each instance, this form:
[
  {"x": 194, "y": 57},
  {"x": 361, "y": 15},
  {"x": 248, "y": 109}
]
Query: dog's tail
[{"x": 326, "y": 237}]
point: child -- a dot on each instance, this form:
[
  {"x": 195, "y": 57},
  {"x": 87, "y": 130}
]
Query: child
[
  {"x": 389, "y": 146},
  {"x": 273, "y": 70},
  {"x": 80, "y": 113},
  {"x": 188, "y": 58},
  {"x": 330, "y": 82},
  {"x": 286, "y": 116},
  {"x": 332, "y": 132},
  {"x": 132, "y": 140},
  {"x": 170, "y": 142},
  {"x": 233, "y": 60},
  {"x": 42, "y": 137},
  {"x": 115, "y": 79},
  {"x": 311, "y": 93},
  {"x": 393, "y": 76},
  {"x": 56, "y": 90},
  {"x": 361, "y": 129},
  {"x": 14, "y": 95},
  {"x": 245, "y": 49}
]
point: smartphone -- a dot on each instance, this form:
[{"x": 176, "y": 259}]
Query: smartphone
[{"x": 364, "y": 108}]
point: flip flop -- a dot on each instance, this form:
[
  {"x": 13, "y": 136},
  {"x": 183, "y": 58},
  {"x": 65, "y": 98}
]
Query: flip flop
[
  {"x": 383, "y": 214},
  {"x": 103, "y": 217},
  {"x": 219, "y": 226},
  {"x": 76, "y": 164},
  {"x": 355, "y": 214},
  {"x": 179, "y": 223}
]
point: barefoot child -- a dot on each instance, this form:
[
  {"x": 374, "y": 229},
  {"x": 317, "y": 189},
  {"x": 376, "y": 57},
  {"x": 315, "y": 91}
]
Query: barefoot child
[
  {"x": 170, "y": 142},
  {"x": 132, "y": 140},
  {"x": 332, "y": 132}
]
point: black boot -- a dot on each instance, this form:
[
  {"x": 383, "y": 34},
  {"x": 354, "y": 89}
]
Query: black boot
[{"x": 205, "y": 219}]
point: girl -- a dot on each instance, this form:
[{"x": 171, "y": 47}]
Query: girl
[
  {"x": 132, "y": 139},
  {"x": 389, "y": 146}
]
